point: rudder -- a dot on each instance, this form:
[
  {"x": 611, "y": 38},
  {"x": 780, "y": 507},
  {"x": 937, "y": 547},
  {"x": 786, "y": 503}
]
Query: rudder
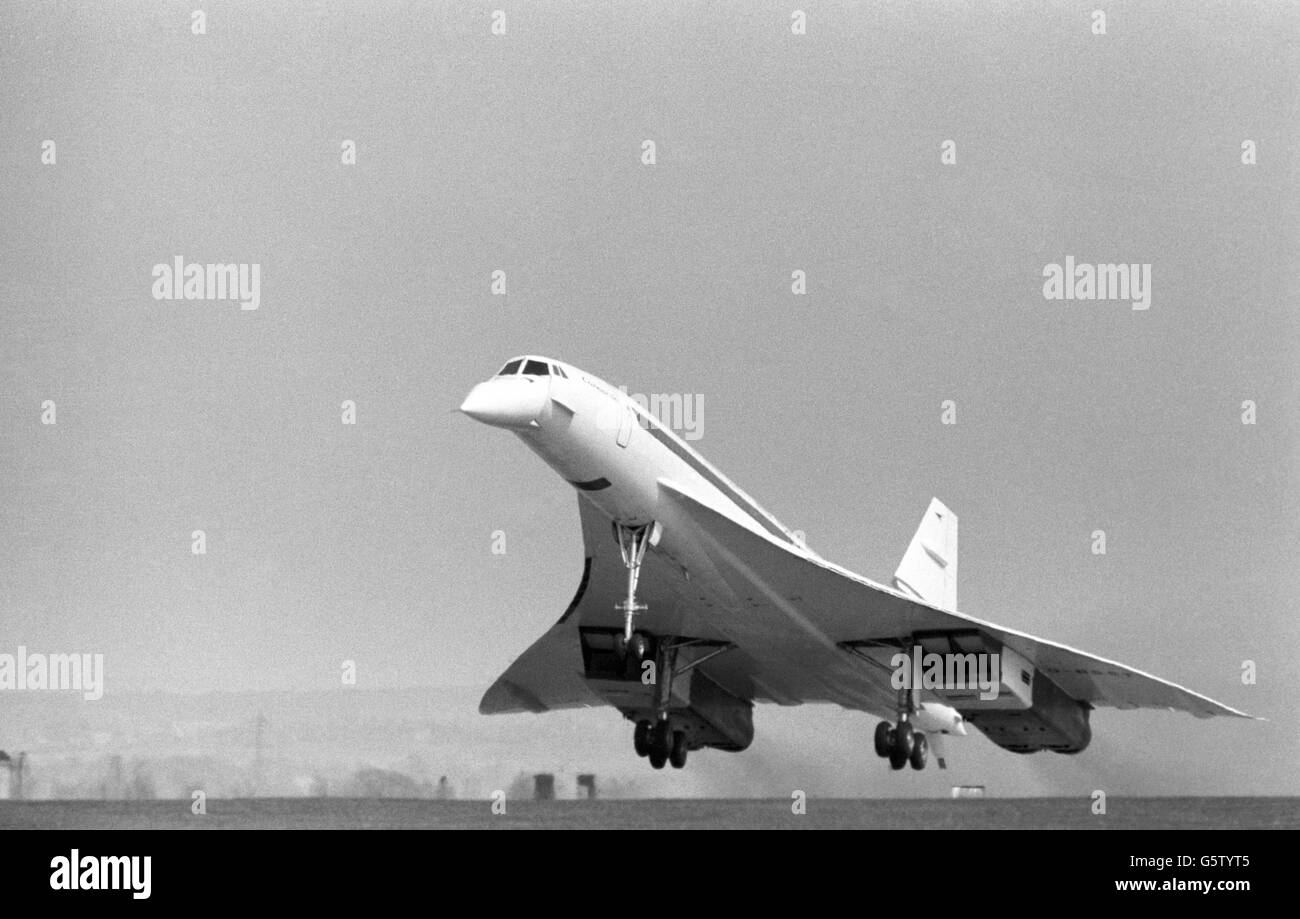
[{"x": 929, "y": 567}]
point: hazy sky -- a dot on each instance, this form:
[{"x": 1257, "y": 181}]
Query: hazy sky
[{"x": 775, "y": 152}]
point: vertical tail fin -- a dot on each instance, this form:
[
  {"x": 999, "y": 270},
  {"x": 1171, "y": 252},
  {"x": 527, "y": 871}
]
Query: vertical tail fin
[{"x": 929, "y": 567}]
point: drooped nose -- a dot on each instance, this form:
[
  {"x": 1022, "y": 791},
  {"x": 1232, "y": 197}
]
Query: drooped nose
[{"x": 506, "y": 402}]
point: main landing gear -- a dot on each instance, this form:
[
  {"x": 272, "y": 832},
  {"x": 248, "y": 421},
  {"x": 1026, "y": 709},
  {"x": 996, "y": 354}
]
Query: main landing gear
[
  {"x": 661, "y": 737},
  {"x": 660, "y": 743},
  {"x": 655, "y": 738},
  {"x": 901, "y": 743}
]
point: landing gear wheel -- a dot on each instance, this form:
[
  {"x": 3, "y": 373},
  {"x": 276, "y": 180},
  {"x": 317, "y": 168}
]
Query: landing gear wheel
[
  {"x": 920, "y": 749},
  {"x": 904, "y": 742},
  {"x": 634, "y": 653},
  {"x": 661, "y": 744},
  {"x": 883, "y": 739},
  {"x": 641, "y": 738},
  {"x": 904, "y": 738},
  {"x": 677, "y": 756}
]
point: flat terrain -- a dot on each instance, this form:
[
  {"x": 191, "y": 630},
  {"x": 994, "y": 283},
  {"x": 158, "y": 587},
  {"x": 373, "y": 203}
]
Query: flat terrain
[{"x": 343, "y": 813}]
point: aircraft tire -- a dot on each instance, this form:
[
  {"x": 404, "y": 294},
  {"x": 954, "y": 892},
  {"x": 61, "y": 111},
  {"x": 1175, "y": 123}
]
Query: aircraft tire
[
  {"x": 904, "y": 738},
  {"x": 641, "y": 738},
  {"x": 661, "y": 739},
  {"x": 677, "y": 756},
  {"x": 920, "y": 751},
  {"x": 883, "y": 740},
  {"x": 639, "y": 648}
]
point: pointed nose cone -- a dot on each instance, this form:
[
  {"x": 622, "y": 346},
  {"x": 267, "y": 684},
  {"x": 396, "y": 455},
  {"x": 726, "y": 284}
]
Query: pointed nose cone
[
  {"x": 506, "y": 402},
  {"x": 480, "y": 405}
]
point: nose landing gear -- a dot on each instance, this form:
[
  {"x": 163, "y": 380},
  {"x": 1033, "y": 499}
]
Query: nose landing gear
[{"x": 632, "y": 543}]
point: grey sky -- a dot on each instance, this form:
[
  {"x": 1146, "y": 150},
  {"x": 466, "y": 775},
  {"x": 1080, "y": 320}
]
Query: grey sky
[{"x": 775, "y": 152}]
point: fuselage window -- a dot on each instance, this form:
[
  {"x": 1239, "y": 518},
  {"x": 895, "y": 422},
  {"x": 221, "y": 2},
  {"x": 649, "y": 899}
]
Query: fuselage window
[
  {"x": 510, "y": 369},
  {"x": 536, "y": 369}
]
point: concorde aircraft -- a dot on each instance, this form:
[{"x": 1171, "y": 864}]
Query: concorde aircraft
[{"x": 694, "y": 604}]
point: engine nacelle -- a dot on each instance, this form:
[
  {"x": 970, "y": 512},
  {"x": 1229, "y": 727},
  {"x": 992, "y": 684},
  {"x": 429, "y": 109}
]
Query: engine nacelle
[
  {"x": 1023, "y": 710},
  {"x": 1054, "y": 722}
]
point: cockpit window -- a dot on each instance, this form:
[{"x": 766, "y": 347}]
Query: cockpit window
[
  {"x": 510, "y": 369},
  {"x": 536, "y": 369},
  {"x": 558, "y": 371}
]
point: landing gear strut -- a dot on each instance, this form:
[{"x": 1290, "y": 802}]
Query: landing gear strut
[
  {"x": 632, "y": 542},
  {"x": 665, "y": 743}
]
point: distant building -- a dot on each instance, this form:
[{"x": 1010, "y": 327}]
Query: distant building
[
  {"x": 11, "y": 788},
  {"x": 968, "y": 791},
  {"x": 587, "y": 786},
  {"x": 544, "y": 786}
]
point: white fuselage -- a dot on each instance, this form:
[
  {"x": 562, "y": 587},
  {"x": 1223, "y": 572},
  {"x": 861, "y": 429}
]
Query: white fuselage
[{"x": 604, "y": 444}]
